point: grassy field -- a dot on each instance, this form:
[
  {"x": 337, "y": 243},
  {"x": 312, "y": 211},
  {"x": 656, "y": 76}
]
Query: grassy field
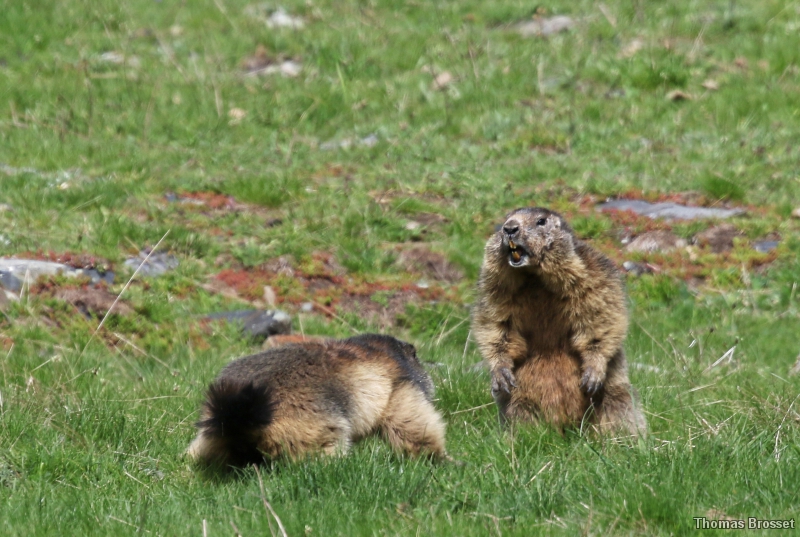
[{"x": 367, "y": 185}]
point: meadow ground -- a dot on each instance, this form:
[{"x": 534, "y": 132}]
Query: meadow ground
[{"x": 366, "y": 184}]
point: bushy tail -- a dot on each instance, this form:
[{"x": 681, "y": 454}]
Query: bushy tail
[{"x": 237, "y": 412}]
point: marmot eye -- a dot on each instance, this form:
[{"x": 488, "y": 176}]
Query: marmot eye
[{"x": 541, "y": 221}]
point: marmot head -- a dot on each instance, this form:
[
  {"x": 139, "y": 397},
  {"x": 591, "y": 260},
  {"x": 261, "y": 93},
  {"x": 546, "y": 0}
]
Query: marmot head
[{"x": 530, "y": 236}]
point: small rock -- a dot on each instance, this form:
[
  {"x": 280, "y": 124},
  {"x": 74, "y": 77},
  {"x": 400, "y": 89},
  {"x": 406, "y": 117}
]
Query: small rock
[
  {"x": 258, "y": 324},
  {"x": 544, "y": 27},
  {"x": 411, "y": 225},
  {"x": 157, "y": 265},
  {"x": 632, "y": 48},
  {"x": 636, "y": 269},
  {"x": 796, "y": 213},
  {"x": 442, "y": 80},
  {"x": 262, "y": 63},
  {"x": 655, "y": 241},
  {"x": 307, "y": 307},
  {"x": 236, "y": 115},
  {"x": 718, "y": 238},
  {"x": 369, "y": 141},
  {"x": 422, "y": 284},
  {"x": 9, "y": 281},
  {"x": 6, "y": 208},
  {"x": 667, "y": 210},
  {"x": 112, "y": 57},
  {"x": 287, "y": 68},
  {"x": 14, "y": 271},
  {"x": 765, "y": 246},
  {"x": 270, "y": 297},
  {"x": 281, "y": 19},
  {"x": 646, "y": 367},
  {"x": 711, "y": 85}
]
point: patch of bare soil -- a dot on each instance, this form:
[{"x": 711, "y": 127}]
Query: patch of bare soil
[
  {"x": 420, "y": 259},
  {"x": 718, "y": 238},
  {"x": 93, "y": 302}
]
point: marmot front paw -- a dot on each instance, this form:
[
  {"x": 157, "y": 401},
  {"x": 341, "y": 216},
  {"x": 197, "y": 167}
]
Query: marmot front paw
[
  {"x": 591, "y": 381},
  {"x": 502, "y": 381}
]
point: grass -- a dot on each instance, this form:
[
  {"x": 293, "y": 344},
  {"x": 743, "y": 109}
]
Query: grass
[{"x": 93, "y": 145}]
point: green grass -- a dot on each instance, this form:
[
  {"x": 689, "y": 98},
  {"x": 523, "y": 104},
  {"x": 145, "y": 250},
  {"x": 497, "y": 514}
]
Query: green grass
[{"x": 92, "y": 429}]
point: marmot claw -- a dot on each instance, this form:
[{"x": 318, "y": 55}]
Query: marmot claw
[
  {"x": 591, "y": 383},
  {"x": 503, "y": 380}
]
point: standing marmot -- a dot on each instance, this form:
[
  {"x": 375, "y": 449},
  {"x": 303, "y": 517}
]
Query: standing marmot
[
  {"x": 318, "y": 396},
  {"x": 550, "y": 321}
]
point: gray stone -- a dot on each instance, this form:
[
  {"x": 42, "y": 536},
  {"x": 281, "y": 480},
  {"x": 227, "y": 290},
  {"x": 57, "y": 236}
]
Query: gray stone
[
  {"x": 157, "y": 265},
  {"x": 9, "y": 281},
  {"x": 668, "y": 211},
  {"x": 257, "y": 324},
  {"x": 765, "y": 246},
  {"x": 636, "y": 269},
  {"x": 13, "y": 272}
]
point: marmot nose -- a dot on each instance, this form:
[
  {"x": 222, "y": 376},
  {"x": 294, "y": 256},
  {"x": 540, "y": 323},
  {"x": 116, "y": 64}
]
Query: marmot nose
[{"x": 511, "y": 227}]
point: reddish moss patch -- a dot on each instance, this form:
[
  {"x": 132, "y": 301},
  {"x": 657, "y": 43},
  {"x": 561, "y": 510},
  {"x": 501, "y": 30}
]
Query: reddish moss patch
[
  {"x": 212, "y": 200},
  {"x": 321, "y": 281}
]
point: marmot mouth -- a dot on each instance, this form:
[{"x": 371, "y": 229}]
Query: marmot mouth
[{"x": 517, "y": 256}]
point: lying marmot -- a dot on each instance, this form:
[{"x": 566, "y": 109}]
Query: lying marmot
[
  {"x": 550, "y": 321},
  {"x": 318, "y": 396}
]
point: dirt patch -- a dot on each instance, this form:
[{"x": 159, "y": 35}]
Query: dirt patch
[
  {"x": 420, "y": 259},
  {"x": 718, "y": 238},
  {"x": 93, "y": 302}
]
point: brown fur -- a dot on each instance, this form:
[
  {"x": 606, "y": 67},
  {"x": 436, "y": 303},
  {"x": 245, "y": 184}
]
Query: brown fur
[
  {"x": 551, "y": 327},
  {"x": 319, "y": 396}
]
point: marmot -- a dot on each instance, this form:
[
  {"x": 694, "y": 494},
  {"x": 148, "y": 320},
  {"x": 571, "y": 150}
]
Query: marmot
[
  {"x": 318, "y": 397},
  {"x": 550, "y": 320}
]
